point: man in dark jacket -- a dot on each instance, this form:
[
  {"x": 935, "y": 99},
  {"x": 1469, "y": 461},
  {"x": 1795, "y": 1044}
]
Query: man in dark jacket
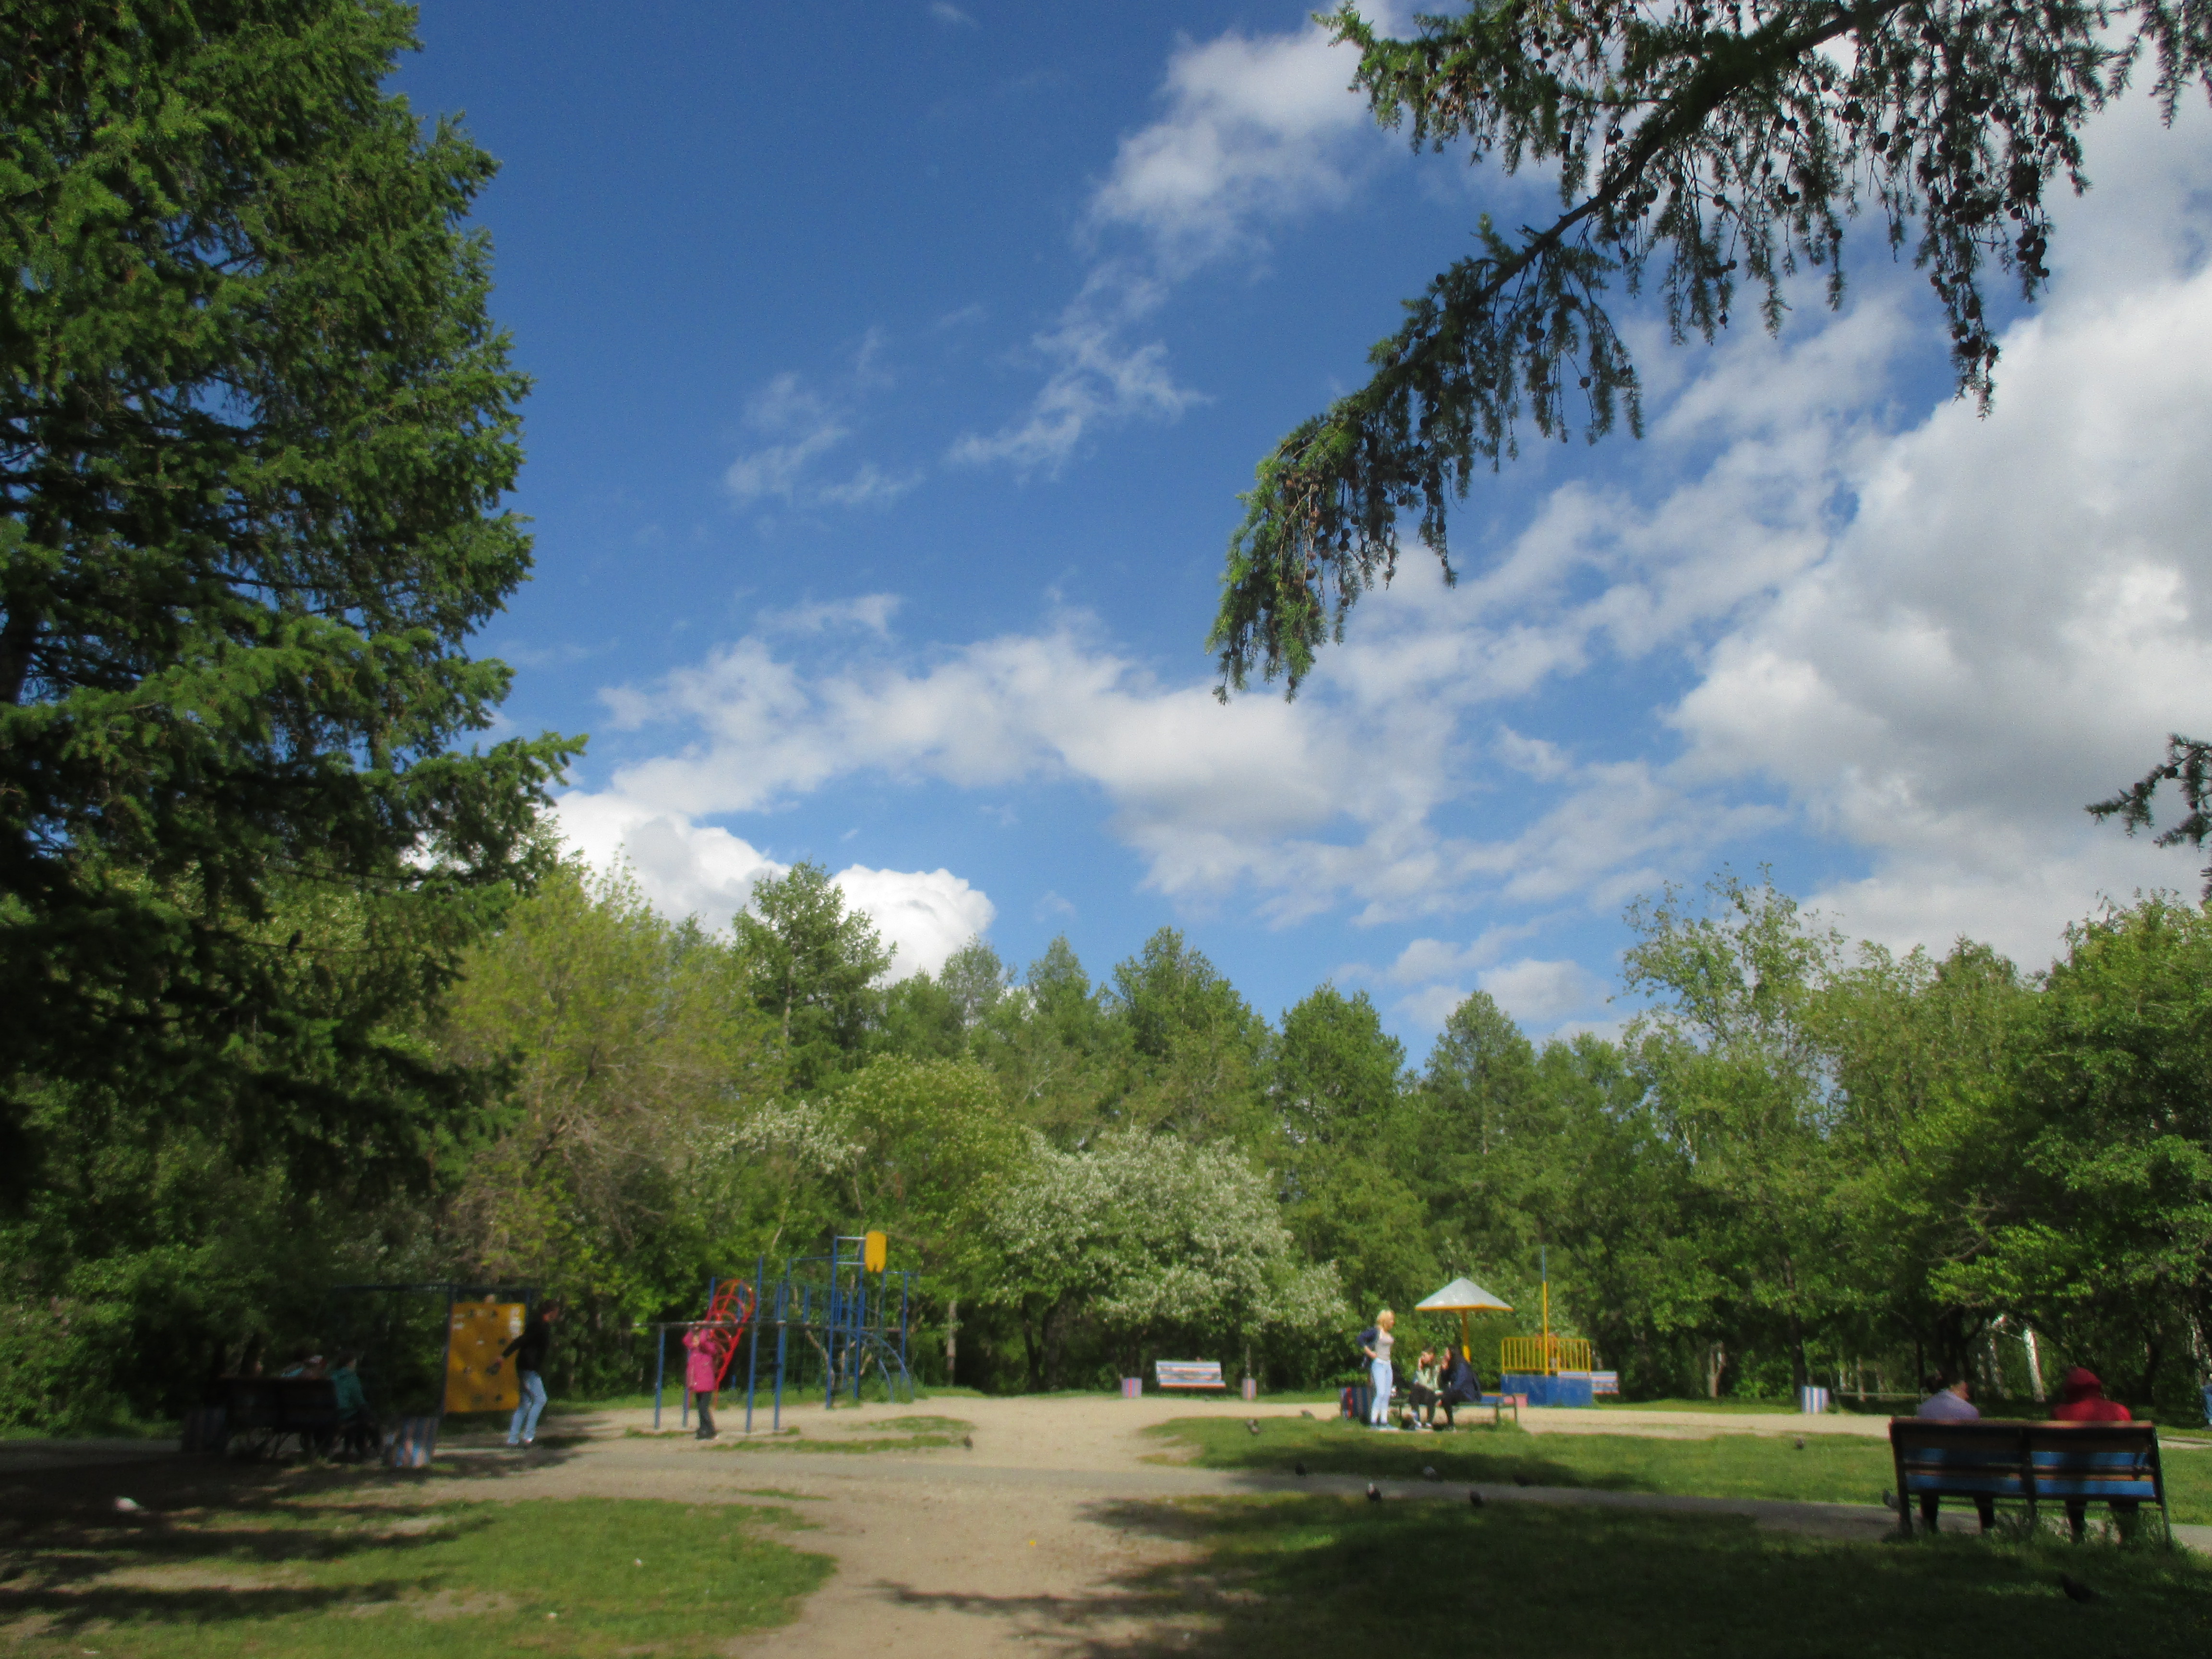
[
  {"x": 529, "y": 1351},
  {"x": 1461, "y": 1387}
]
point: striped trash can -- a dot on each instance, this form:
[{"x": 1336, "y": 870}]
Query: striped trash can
[
  {"x": 1812, "y": 1400},
  {"x": 1132, "y": 1388},
  {"x": 1251, "y": 1387},
  {"x": 412, "y": 1443}
]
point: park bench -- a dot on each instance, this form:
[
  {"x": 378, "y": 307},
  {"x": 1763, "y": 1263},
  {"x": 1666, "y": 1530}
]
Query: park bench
[
  {"x": 1187, "y": 1374},
  {"x": 261, "y": 1412},
  {"x": 2072, "y": 1464}
]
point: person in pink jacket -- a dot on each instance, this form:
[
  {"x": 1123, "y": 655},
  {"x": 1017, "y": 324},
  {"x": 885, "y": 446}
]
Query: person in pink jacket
[{"x": 702, "y": 1372}]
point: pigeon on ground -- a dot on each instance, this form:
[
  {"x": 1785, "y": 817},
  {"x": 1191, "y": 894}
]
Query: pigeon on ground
[
  {"x": 1521, "y": 1479},
  {"x": 1801, "y": 1443},
  {"x": 1429, "y": 1472},
  {"x": 1374, "y": 1493},
  {"x": 2075, "y": 1589},
  {"x": 1251, "y": 1425},
  {"x": 969, "y": 1441},
  {"x": 1474, "y": 1498},
  {"x": 1888, "y": 1498},
  {"x": 1309, "y": 1416},
  {"x": 1299, "y": 1469}
]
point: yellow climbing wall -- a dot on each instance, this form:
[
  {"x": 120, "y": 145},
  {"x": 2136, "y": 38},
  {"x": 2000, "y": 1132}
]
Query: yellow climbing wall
[{"x": 479, "y": 1331}]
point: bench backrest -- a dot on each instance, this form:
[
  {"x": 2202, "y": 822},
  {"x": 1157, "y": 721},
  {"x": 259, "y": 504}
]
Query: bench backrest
[
  {"x": 1188, "y": 1374},
  {"x": 2039, "y": 1462}
]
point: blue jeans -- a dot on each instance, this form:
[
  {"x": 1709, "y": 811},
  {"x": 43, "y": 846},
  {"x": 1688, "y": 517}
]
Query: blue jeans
[
  {"x": 524, "y": 1424},
  {"x": 1379, "y": 1372}
]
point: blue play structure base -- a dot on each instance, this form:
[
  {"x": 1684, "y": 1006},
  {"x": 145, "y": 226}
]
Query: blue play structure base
[{"x": 1548, "y": 1391}]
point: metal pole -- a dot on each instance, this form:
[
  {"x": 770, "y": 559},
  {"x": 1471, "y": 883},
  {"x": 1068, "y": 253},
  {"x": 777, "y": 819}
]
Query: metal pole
[
  {"x": 659, "y": 1368},
  {"x": 829, "y": 1333},
  {"x": 776, "y": 1423},
  {"x": 906, "y": 1300},
  {"x": 752, "y": 1360}
]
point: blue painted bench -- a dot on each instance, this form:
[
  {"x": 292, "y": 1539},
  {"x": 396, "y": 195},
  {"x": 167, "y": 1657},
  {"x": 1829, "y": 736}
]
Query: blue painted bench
[
  {"x": 1187, "y": 1374},
  {"x": 2071, "y": 1464}
]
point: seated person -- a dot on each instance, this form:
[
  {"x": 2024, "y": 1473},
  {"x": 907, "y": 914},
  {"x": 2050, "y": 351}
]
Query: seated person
[
  {"x": 356, "y": 1424},
  {"x": 1421, "y": 1392},
  {"x": 2081, "y": 1399},
  {"x": 1459, "y": 1386},
  {"x": 1946, "y": 1402},
  {"x": 306, "y": 1363}
]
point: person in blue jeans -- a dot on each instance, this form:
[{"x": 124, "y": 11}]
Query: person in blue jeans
[
  {"x": 529, "y": 1351},
  {"x": 1378, "y": 1368}
]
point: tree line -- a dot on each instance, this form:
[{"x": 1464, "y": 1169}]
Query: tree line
[{"x": 1799, "y": 1161}]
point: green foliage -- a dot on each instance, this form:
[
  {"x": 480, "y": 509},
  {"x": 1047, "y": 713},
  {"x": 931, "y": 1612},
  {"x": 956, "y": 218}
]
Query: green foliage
[
  {"x": 811, "y": 965},
  {"x": 257, "y": 427},
  {"x": 1690, "y": 141}
]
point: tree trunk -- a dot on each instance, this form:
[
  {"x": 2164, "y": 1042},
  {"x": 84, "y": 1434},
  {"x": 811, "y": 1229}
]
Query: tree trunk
[
  {"x": 1716, "y": 1362},
  {"x": 952, "y": 1338}
]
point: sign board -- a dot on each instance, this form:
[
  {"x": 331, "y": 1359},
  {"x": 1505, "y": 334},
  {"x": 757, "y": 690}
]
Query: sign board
[
  {"x": 476, "y": 1333},
  {"x": 875, "y": 1250}
]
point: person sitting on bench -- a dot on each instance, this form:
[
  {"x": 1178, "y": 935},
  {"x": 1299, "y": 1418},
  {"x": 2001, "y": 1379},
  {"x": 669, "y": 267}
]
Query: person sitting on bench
[
  {"x": 1459, "y": 1386},
  {"x": 1946, "y": 1402},
  {"x": 1421, "y": 1392},
  {"x": 2081, "y": 1399},
  {"x": 357, "y": 1426}
]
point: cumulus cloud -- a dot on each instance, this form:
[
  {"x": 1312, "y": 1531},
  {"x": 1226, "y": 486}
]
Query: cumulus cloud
[{"x": 689, "y": 869}]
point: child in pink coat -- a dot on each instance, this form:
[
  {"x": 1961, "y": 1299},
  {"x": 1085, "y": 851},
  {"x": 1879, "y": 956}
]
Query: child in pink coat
[{"x": 701, "y": 1374}]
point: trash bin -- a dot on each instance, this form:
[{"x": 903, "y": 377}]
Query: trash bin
[
  {"x": 412, "y": 1443},
  {"x": 1132, "y": 1388},
  {"x": 1251, "y": 1387},
  {"x": 1812, "y": 1400},
  {"x": 2208, "y": 1405},
  {"x": 206, "y": 1429}
]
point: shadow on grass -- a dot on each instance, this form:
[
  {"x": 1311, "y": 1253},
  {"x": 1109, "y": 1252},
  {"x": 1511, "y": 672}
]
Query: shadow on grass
[{"x": 1327, "y": 1575}]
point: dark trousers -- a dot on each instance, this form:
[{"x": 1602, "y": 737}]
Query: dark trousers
[
  {"x": 1985, "y": 1509},
  {"x": 704, "y": 1400},
  {"x": 2124, "y": 1510},
  {"x": 1451, "y": 1399},
  {"x": 1421, "y": 1399}
]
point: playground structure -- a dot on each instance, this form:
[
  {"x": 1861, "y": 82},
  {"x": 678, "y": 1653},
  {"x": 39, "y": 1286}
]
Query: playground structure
[
  {"x": 392, "y": 1326},
  {"x": 822, "y": 1308},
  {"x": 1552, "y": 1370}
]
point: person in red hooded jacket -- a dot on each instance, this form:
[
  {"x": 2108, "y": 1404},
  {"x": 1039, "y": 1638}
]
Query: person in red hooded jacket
[{"x": 2081, "y": 1399}]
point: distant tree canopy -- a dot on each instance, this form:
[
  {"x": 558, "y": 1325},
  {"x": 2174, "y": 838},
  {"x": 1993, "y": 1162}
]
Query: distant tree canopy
[
  {"x": 255, "y": 425},
  {"x": 1699, "y": 145}
]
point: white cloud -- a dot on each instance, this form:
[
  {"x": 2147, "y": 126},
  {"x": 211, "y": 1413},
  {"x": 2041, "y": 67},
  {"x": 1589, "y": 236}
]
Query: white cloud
[
  {"x": 927, "y": 914},
  {"x": 689, "y": 869},
  {"x": 803, "y": 424},
  {"x": 1256, "y": 130},
  {"x": 1543, "y": 993},
  {"x": 950, "y": 14},
  {"x": 1097, "y": 377}
]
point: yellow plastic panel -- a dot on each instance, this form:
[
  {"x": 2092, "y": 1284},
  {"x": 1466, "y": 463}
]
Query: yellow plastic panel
[
  {"x": 875, "y": 1250},
  {"x": 480, "y": 1330}
]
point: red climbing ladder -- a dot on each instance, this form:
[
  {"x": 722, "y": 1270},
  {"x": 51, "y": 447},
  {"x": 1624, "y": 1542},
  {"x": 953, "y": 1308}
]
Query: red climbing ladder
[{"x": 729, "y": 1309}]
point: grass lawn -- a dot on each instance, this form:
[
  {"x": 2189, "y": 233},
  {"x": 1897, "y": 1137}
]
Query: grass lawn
[
  {"x": 1326, "y": 1575},
  {"x": 307, "y": 1577},
  {"x": 1838, "y": 1468}
]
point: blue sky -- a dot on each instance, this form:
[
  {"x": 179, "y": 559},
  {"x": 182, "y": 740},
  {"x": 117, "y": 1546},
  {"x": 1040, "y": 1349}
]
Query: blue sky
[{"x": 898, "y": 365}]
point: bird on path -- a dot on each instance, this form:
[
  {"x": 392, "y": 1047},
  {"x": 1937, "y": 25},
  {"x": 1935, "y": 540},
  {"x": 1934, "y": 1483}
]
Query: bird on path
[
  {"x": 1474, "y": 1498},
  {"x": 1429, "y": 1472},
  {"x": 969, "y": 1441},
  {"x": 2075, "y": 1589},
  {"x": 1251, "y": 1425},
  {"x": 1801, "y": 1443},
  {"x": 1299, "y": 1469},
  {"x": 1374, "y": 1493},
  {"x": 1888, "y": 1498},
  {"x": 1309, "y": 1416},
  {"x": 1521, "y": 1479}
]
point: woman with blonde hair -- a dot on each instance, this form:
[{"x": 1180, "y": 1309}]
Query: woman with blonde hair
[{"x": 1378, "y": 1368}]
